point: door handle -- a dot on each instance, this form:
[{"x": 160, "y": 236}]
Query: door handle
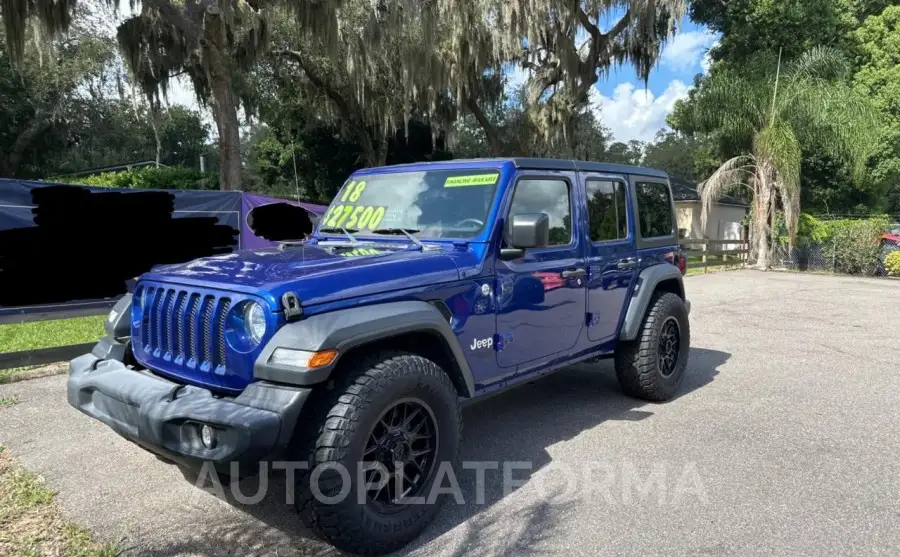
[
  {"x": 572, "y": 273},
  {"x": 627, "y": 263}
]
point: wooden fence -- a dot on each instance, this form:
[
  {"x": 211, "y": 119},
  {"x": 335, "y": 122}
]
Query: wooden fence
[
  {"x": 703, "y": 253},
  {"x": 41, "y": 356}
]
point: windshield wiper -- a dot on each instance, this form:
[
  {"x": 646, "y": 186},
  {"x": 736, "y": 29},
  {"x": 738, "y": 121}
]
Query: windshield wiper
[
  {"x": 408, "y": 232},
  {"x": 344, "y": 230}
]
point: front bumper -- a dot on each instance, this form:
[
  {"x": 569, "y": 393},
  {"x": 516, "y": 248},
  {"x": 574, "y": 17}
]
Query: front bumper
[{"x": 166, "y": 417}]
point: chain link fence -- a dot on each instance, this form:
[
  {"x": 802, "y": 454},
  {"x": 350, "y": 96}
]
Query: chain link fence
[{"x": 831, "y": 257}]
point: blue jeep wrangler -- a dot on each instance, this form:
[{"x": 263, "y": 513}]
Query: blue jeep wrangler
[{"x": 423, "y": 287}]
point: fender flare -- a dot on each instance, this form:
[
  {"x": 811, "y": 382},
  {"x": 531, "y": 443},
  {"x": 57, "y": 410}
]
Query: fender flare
[
  {"x": 345, "y": 329},
  {"x": 647, "y": 282}
]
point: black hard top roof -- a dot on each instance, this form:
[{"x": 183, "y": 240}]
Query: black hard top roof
[
  {"x": 551, "y": 164},
  {"x": 586, "y": 166}
]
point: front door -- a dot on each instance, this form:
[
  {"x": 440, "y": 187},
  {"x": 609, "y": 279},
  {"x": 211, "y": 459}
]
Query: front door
[
  {"x": 541, "y": 296},
  {"x": 612, "y": 254}
]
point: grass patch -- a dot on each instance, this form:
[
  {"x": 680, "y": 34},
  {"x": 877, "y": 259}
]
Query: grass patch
[
  {"x": 720, "y": 269},
  {"x": 30, "y": 521},
  {"x": 7, "y": 401},
  {"x": 47, "y": 334},
  {"x": 14, "y": 374}
]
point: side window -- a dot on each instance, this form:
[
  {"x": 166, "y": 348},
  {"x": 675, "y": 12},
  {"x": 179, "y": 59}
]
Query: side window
[
  {"x": 654, "y": 204},
  {"x": 607, "y": 215},
  {"x": 546, "y": 196}
]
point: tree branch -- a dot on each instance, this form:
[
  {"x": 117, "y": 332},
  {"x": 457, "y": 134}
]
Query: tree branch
[
  {"x": 619, "y": 27},
  {"x": 601, "y": 41},
  {"x": 172, "y": 15},
  {"x": 586, "y": 22},
  {"x": 490, "y": 132},
  {"x": 540, "y": 84},
  {"x": 318, "y": 80},
  {"x": 348, "y": 112}
]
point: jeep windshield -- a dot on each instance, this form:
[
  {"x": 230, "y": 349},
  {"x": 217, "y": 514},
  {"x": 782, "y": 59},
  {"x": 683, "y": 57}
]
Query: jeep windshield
[{"x": 429, "y": 204}]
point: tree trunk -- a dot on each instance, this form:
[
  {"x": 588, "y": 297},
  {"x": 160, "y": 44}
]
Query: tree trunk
[
  {"x": 224, "y": 103},
  {"x": 156, "y": 138},
  {"x": 762, "y": 243},
  {"x": 383, "y": 151},
  {"x": 761, "y": 220},
  {"x": 371, "y": 154},
  {"x": 152, "y": 114},
  {"x": 490, "y": 131},
  {"x": 38, "y": 124}
]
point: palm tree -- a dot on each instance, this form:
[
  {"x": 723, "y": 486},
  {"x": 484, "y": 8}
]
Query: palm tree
[{"x": 771, "y": 114}]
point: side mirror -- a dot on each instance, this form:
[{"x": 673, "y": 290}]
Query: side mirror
[{"x": 526, "y": 231}]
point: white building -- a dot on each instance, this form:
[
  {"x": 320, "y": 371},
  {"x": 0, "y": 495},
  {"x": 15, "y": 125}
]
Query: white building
[{"x": 725, "y": 220}]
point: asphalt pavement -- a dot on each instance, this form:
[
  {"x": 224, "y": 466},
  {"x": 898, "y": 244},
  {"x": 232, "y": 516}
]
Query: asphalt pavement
[{"x": 784, "y": 441}]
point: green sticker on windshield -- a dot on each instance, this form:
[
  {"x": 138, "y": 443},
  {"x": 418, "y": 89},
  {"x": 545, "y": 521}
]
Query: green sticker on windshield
[{"x": 473, "y": 180}]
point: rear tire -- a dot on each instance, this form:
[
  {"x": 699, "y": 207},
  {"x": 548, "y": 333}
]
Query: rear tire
[
  {"x": 364, "y": 419},
  {"x": 652, "y": 366}
]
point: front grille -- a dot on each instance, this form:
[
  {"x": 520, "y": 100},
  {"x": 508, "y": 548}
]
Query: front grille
[{"x": 184, "y": 327}]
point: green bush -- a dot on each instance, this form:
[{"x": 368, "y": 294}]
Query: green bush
[
  {"x": 853, "y": 244},
  {"x": 810, "y": 230},
  {"x": 164, "y": 178},
  {"x": 892, "y": 264}
]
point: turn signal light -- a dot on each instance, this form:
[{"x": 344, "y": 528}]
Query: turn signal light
[
  {"x": 323, "y": 358},
  {"x": 302, "y": 358}
]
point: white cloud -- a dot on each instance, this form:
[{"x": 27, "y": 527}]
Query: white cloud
[
  {"x": 688, "y": 50},
  {"x": 633, "y": 113}
]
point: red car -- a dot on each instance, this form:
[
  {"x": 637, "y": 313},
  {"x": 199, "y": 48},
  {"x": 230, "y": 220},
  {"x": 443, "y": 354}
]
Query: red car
[{"x": 890, "y": 242}]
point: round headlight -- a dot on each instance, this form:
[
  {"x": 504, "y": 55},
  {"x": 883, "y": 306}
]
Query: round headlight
[{"x": 255, "y": 321}]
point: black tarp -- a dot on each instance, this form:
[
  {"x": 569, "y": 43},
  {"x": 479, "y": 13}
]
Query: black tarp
[{"x": 62, "y": 243}]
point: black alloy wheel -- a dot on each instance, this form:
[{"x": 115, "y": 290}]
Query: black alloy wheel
[
  {"x": 402, "y": 445},
  {"x": 669, "y": 346}
]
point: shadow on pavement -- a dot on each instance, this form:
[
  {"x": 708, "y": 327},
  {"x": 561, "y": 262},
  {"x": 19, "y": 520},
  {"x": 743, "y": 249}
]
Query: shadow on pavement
[{"x": 517, "y": 426}]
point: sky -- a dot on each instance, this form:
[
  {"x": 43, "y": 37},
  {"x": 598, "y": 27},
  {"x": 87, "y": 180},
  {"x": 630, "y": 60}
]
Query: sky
[
  {"x": 632, "y": 110},
  {"x": 628, "y": 108}
]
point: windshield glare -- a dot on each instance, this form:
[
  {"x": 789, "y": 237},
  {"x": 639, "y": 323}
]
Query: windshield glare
[{"x": 430, "y": 204}]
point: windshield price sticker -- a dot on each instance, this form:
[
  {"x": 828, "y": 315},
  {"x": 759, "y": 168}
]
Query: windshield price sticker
[
  {"x": 360, "y": 252},
  {"x": 359, "y": 217},
  {"x": 346, "y": 214},
  {"x": 353, "y": 190},
  {"x": 472, "y": 180}
]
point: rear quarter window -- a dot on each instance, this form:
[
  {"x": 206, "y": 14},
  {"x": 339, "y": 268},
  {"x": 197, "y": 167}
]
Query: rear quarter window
[{"x": 654, "y": 204}]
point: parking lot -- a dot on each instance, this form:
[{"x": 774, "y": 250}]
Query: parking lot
[{"x": 784, "y": 441}]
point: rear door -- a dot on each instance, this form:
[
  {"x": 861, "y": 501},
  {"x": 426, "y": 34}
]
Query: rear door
[{"x": 612, "y": 253}]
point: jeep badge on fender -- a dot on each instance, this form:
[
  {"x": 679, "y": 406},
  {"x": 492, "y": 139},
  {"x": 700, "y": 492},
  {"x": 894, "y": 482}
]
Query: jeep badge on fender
[
  {"x": 478, "y": 344},
  {"x": 366, "y": 327}
]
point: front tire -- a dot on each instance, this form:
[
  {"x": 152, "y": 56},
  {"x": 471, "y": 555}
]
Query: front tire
[
  {"x": 652, "y": 367},
  {"x": 389, "y": 408}
]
